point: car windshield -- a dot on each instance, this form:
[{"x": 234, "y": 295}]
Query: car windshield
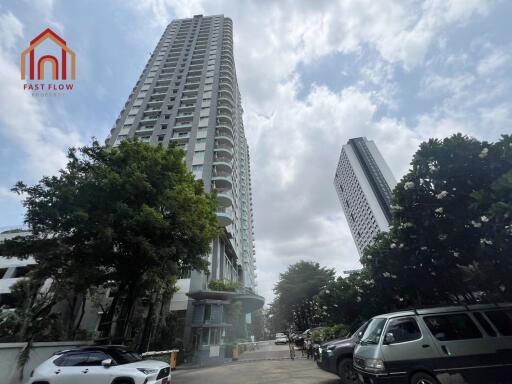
[
  {"x": 360, "y": 331},
  {"x": 122, "y": 356},
  {"x": 374, "y": 331}
]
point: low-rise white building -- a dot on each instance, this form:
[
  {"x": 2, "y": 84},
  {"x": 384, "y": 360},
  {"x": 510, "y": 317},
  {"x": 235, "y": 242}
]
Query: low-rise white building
[{"x": 12, "y": 270}]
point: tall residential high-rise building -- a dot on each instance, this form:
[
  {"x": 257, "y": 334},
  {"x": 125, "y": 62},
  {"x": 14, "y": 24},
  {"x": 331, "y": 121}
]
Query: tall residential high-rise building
[
  {"x": 188, "y": 96},
  {"x": 364, "y": 183}
]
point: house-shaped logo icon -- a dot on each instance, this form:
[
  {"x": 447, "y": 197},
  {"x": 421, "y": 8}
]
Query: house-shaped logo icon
[{"x": 65, "y": 51}]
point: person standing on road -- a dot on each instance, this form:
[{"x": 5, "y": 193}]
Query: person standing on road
[
  {"x": 291, "y": 347},
  {"x": 309, "y": 346}
]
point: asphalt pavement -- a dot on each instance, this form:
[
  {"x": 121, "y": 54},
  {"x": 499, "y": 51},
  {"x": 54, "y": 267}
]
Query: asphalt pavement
[{"x": 267, "y": 364}]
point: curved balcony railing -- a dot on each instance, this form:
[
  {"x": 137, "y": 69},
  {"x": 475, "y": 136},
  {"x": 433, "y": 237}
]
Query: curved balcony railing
[
  {"x": 225, "y": 61},
  {"x": 222, "y": 165},
  {"x": 225, "y": 102},
  {"x": 224, "y": 140},
  {"x": 224, "y": 118},
  {"x": 223, "y": 79},
  {"x": 227, "y": 95},
  {"x": 225, "y": 154},
  {"x": 223, "y": 107},
  {"x": 220, "y": 159},
  {"x": 225, "y": 88},
  {"x": 222, "y": 182},
  {"x": 224, "y": 216},
  {"x": 224, "y": 151},
  {"x": 227, "y": 85},
  {"x": 224, "y": 198},
  {"x": 225, "y": 130}
]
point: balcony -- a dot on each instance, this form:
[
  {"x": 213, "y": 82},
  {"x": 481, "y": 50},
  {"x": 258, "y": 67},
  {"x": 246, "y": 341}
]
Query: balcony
[
  {"x": 186, "y": 108},
  {"x": 224, "y": 130},
  {"x": 155, "y": 103},
  {"x": 224, "y": 118},
  {"x": 179, "y": 138},
  {"x": 224, "y": 217},
  {"x": 222, "y": 159},
  {"x": 161, "y": 82},
  {"x": 149, "y": 120},
  {"x": 226, "y": 71},
  {"x": 161, "y": 89},
  {"x": 192, "y": 86},
  {"x": 144, "y": 131},
  {"x": 224, "y": 198},
  {"x": 152, "y": 110},
  {"x": 226, "y": 96},
  {"x": 223, "y": 107},
  {"x": 224, "y": 88},
  {"x": 224, "y": 152},
  {"x": 226, "y": 83},
  {"x": 190, "y": 92},
  {"x": 189, "y": 98},
  {"x": 249, "y": 299},
  {"x": 158, "y": 96},
  {"x": 222, "y": 166},
  {"x": 224, "y": 142},
  {"x": 194, "y": 79},
  {"x": 183, "y": 126},
  {"x": 222, "y": 180},
  {"x": 185, "y": 117}
]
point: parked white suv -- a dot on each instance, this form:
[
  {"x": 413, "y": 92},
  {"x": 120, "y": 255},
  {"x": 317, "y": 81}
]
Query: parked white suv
[{"x": 100, "y": 365}]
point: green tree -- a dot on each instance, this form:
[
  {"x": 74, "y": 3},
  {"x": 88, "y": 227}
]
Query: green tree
[
  {"x": 449, "y": 238},
  {"x": 296, "y": 290},
  {"x": 132, "y": 215}
]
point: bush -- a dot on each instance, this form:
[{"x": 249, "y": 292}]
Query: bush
[
  {"x": 224, "y": 285},
  {"x": 335, "y": 332}
]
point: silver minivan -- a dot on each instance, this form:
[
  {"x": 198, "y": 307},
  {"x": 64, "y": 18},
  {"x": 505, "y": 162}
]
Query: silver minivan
[{"x": 444, "y": 345}]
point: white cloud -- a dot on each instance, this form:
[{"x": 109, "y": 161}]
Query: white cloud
[
  {"x": 492, "y": 62},
  {"x": 11, "y": 29},
  {"x": 7, "y": 194},
  {"x": 25, "y": 121}
]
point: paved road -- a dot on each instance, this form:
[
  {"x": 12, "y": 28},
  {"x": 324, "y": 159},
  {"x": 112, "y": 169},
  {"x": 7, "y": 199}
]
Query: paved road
[{"x": 269, "y": 364}]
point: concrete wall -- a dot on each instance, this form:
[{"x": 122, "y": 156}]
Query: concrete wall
[{"x": 9, "y": 352}]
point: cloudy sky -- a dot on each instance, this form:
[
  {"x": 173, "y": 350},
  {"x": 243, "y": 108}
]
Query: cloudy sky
[{"x": 312, "y": 74}]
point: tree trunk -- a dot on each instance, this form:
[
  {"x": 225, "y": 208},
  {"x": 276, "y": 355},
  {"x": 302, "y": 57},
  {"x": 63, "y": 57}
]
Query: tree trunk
[
  {"x": 80, "y": 318},
  {"x": 144, "y": 340},
  {"x": 70, "y": 321},
  {"x": 126, "y": 313},
  {"x": 106, "y": 332}
]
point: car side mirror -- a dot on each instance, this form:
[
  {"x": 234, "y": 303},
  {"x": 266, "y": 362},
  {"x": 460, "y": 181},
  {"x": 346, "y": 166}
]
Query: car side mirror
[
  {"x": 107, "y": 363},
  {"x": 389, "y": 338}
]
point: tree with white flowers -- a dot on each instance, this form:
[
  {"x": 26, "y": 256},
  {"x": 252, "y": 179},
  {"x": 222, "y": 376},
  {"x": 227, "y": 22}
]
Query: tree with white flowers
[{"x": 451, "y": 229}]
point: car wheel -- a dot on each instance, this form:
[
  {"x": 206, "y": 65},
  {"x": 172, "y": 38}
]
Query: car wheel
[
  {"x": 346, "y": 372},
  {"x": 423, "y": 378}
]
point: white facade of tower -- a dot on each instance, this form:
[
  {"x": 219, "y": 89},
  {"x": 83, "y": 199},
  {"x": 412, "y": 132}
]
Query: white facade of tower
[{"x": 364, "y": 183}]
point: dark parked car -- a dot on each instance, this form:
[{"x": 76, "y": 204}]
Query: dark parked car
[{"x": 336, "y": 356}]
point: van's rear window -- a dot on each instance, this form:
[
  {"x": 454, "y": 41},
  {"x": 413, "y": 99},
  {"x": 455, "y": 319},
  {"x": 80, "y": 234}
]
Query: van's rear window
[
  {"x": 452, "y": 327},
  {"x": 502, "y": 320}
]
